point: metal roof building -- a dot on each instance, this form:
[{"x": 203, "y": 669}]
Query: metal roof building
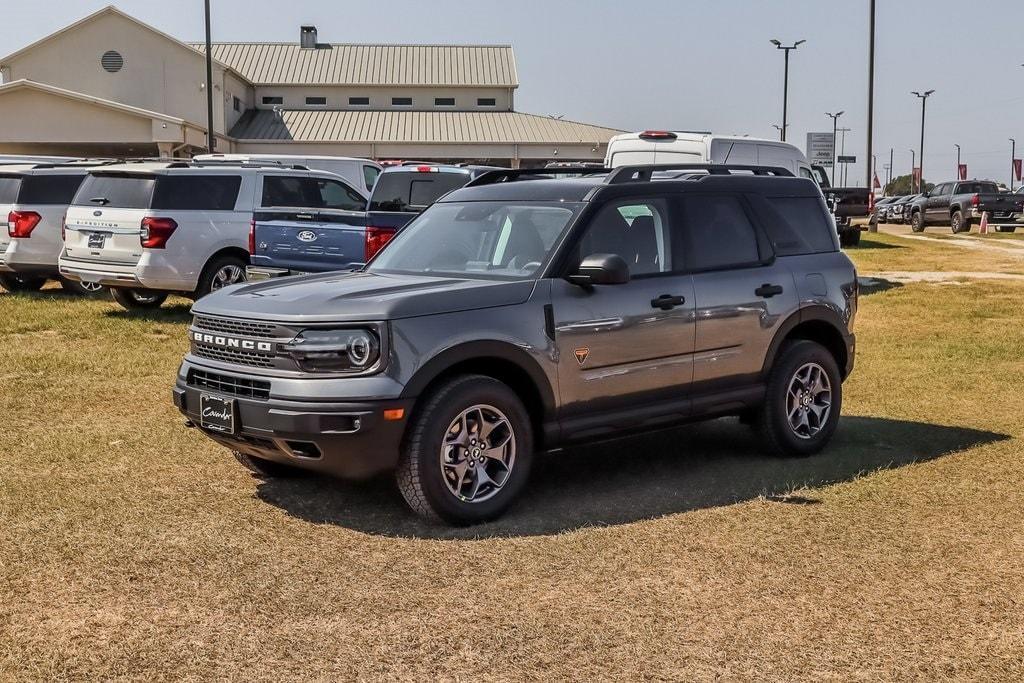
[{"x": 110, "y": 84}]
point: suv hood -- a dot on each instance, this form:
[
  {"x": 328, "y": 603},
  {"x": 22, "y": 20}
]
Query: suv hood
[{"x": 362, "y": 297}]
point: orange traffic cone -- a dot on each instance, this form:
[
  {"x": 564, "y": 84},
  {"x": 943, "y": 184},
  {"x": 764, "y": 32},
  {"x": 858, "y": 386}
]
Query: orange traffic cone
[{"x": 984, "y": 223}]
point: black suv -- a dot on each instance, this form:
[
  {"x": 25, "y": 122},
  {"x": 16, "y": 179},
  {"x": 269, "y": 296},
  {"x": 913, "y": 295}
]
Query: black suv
[{"x": 531, "y": 310}]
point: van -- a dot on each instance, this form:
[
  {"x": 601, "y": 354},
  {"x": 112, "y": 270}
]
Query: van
[
  {"x": 689, "y": 147},
  {"x": 360, "y": 173}
]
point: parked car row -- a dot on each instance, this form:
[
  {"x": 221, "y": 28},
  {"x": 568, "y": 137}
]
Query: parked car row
[{"x": 957, "y": 204}]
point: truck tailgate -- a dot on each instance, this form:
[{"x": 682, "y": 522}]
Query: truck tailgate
[
  {"x": 309, "y": 241},
  {"x": 1002, "y": 203}
]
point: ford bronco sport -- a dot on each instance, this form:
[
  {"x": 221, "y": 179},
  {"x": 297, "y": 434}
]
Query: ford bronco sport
[{"x": 530, "y": 310}]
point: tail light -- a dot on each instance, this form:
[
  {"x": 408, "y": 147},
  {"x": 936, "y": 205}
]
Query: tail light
[
  {"x": 427, "y": 169},
  {"x": 156, "y": 232},
  {"x": 252, "y": 236},
  {"x": 975, "y": 200},
  {"x": 657, "y": 135},
  {"x": 22, "y": 223},
  {"x": 376, "y": 238}
]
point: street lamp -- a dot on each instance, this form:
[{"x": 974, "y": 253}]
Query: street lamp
[
  {"x": 780, "y": 129},
  {"x": 957, "y": 161},
  {"x": 920, "y": 161},
  {"x": 1013, "y": 154},
  {"x": 785, "y": 81},
  {"x": 835, "y": 128}
]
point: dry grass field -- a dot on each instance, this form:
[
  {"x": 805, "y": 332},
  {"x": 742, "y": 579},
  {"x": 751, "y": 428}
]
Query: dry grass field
[{"x": 133, "y": 548}]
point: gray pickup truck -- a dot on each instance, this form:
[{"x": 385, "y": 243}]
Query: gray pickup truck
[{"x": 961, "y": 204}]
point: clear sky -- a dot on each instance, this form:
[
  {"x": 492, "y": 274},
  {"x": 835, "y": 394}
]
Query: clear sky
[{"x": 683, "y": 64}]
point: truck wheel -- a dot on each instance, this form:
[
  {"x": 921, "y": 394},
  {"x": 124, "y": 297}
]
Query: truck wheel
[
  {"x": 1007, "y": 228},
  {"x": 468, "y": 452},
  {"x": 849, "y": 238},
  {"x": 265, "y": 469},
  {"x": 916, "y": 222},
  {"x": 219, "y": 273},
  {"x": 956, "y": 222},
  {"x": 13, "y": 282},
  {"x": 802, "y": 402},
  {"x": 138, "y": 299},
  {"x": 80, "y": 288}
]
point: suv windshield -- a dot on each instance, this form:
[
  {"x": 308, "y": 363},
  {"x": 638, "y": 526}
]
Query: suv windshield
[
  {"x": 500, "y": 239},
  {"x": 412, "y": 191}
]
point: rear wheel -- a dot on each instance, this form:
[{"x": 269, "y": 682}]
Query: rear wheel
[
  {"x": 803, "y": 400},
  {"x": 219, "y": 273},
  {"x": 138, "y": 299},
  {"x": 849, "y": 238},
  {"x": 80, "y": 288},
  {"x": 468, "y": 453},
  {"x": 916, "y": 222},
  {"x": 265, "y": 469},
  {"x": 1007, "y": 228},
  {"x": 13, "y": 282},
  {"x": 957, "y": 223}
]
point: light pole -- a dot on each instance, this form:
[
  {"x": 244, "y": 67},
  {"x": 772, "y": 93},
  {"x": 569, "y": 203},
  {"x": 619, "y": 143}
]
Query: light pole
[
  {"x": 835, "y": 128},
  {"x": 1013, "y": 154},
  {"x": 210, "y": 141},
  {"x": 957, "y": 161},
  {"x": 785, "y": 81},
  {"x": 871, "y": 87},
  {"x": 920, "y": 159}
]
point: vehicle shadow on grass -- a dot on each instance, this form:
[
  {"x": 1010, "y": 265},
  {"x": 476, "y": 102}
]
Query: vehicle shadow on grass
[
  {"x": 168, "y": 313},
  {"x": 876, "y": 285},
  {"x": 699, "y": 466},
  {"x": 868, "y": 243}
]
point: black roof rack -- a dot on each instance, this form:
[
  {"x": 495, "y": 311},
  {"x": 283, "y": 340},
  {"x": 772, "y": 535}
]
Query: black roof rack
[
  {"x": 644, "y": 173},
  {"x": 239, "y": 163},
  {"x": 507, "y": 175}
]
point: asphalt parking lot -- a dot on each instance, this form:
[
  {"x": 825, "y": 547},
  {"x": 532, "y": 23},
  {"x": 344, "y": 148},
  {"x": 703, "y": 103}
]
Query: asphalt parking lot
[{"x": 136, "y": 548}]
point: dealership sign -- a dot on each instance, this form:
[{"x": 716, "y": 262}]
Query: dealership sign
[{"x": 820, "y": 149}]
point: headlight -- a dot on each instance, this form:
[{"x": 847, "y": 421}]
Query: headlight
[{"x": 334, "y": 350}]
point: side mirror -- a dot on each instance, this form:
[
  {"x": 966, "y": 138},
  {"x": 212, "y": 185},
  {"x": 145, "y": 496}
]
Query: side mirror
[
  {"x": 927, "y": 194},
  {"x": 601, "y": 269}
]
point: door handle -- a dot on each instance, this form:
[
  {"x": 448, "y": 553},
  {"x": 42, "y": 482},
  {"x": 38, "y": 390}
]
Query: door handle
[
  {"x": 767, "y": 291},
  {"x": 667, "y": 302}
]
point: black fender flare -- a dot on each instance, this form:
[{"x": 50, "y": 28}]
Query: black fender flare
[
  {"x": 809, "y": 314},
  {"x": 483, "y": 350}
]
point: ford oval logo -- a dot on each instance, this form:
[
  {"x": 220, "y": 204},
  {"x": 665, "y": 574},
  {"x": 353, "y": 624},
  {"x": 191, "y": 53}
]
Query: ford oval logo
[
  {"x": 97, "y": 213},
  {"x": 307, "y": 236}
]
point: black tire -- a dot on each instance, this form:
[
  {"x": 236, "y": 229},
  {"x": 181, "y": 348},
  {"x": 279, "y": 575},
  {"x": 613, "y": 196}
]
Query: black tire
[
  {"x": 1007, "y": 228},
  {"x": 956, "y": 222},
  {"x": 138, "y": 299},
  {"x": 211, "y": 278},
  {"x": 917, "y": 222},
  {"x": 80, "y": 288},
  {"x": 419, "y": 474},
  {"x": 773, "y": 422},
  {"x": 265, "y": 469},
  {"x": 849, "y": 238},
  {"x": 13, "y": 282}
]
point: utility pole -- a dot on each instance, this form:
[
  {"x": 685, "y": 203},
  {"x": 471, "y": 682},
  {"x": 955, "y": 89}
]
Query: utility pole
[
  {"x": 920, "y": 160},
  {"x": 835, "y": 124},
  {"x": 785, "y": 81},
  {"x": 211, "y": 142},
  {"x": 871, "y": 102}
]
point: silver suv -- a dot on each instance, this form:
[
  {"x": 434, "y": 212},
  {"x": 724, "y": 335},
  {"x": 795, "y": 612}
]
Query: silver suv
[{"x": 531, "y": 310}]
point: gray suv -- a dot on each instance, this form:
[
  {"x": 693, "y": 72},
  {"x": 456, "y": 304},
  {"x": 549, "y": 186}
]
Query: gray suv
[{"x": 531, "y": 310}]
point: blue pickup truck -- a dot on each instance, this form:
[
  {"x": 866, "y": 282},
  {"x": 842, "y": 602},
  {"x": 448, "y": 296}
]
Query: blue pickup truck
[{"x": 344, "y": 231}]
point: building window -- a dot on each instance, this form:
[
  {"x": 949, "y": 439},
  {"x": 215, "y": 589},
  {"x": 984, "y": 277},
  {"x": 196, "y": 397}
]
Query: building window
[
  {"x": 444, "y": 101},
  {"x": 273, "y": 100},
  {"x": 401, "y": 101},
  {"x": 316, "y": 101},
  {"x": 236, "y": 103},
  {"x": 359, "y": 101},
  {"x": 486, "y": 102},
  {"x": 112, "y": 61}
]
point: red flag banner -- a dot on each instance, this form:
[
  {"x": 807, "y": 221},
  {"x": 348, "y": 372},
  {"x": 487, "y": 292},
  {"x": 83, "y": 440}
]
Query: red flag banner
[
  {"x": 1017, "y": 168},
  {"x": 878, "y": 185},
  {"x": 963, "y": 171},
  {"x": 917, "y": 175}
]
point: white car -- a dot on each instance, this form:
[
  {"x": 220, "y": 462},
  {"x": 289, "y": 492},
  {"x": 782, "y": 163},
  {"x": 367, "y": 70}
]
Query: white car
[
  {"x": 685, "y": 147},
  {"x": 360, "y": 173},
  {"x": 33, "y": 200},
  {"x": 150, "y": 229}
]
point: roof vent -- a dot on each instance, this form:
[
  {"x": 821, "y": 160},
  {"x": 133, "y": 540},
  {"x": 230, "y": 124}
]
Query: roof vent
[
  {"x": 307, "y": 37},
  {"x": 112, "y": 61}
]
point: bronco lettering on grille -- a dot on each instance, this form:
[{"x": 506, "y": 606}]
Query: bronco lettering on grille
[{"x": 232, "y": 342}]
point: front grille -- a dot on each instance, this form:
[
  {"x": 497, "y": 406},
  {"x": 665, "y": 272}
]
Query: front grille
[
  {"x": 228, "y": 384},
  {"x": 251, "y": 358},
  {"x": 247, "y": 328}
]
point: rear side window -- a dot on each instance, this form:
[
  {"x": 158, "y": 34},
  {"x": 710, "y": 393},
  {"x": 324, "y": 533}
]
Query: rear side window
[
  {"x": 413, "y": 191},
  {"x": 310, "y": 193},
  {"x": 976, "y": 188},
  {"x": 49, "y": 189},
  {"x": 370, "y": 174},
  {"x": 196, "y": 192},
  {"x": 126, "y": 191},
  {"x": 9, "y": 186},
  {"x": 800, "y": 225},
  {"x": 719, "y": 232}
]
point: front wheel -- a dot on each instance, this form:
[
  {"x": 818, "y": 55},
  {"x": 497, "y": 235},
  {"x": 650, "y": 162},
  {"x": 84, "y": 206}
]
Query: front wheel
[
  {"x": 803, "y": 399},
  {"x": 917, "y": 222},
  {"x": 138, "y": 299},
  {"x": 468, "y": 452},
  {"x": 13, "y": 282}
]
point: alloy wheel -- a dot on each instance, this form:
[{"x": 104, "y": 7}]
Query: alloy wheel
[
  {"x": 808, "y": 400},
  {"x": 227, "y": 275},
  {"x": 478, "y": 453}
]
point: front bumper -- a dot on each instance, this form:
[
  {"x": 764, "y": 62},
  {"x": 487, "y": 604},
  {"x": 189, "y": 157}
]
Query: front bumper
[{"x": 348, "y": 438}]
